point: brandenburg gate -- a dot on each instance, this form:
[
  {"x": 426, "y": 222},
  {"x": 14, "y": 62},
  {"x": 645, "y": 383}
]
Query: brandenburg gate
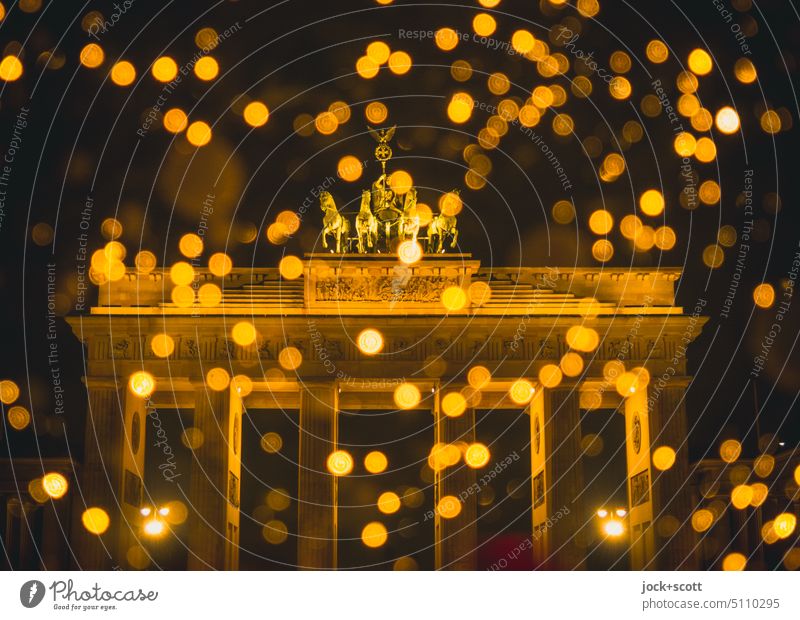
[{"x": 358, "y": 322}]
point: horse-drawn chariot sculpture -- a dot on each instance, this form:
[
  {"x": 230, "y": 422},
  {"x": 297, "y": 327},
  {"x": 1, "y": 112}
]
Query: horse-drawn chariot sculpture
[{"x": 385, "y": 217}]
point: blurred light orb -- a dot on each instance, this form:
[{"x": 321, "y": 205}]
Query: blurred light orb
[
  {"x": 550, "y": 376},
  {"x": 448, "y": 507},
  {"x": 349, "y": 168},
  {"x": 745, "y": 71},
  {"x": 601, "y": 222},
  {"x": 389, "y": 502},
  {"x": 700, "y": 62},
  {"x": 407, "y": 396},
  {"x": 454, "y": 404},
  {"x": 399, "y": 63},
  {"x": 521, "y": 391},
  {"x": 209, "y": 295},
  {"x": 702, "y": 520},
  {"x": 454, "y": 298},
  {"x": 657, "y": 52},
  {"x": 400, "y": 181},
  {"x": 191, "y": 246},
  {"x": 340, "y": 463},
  {"x": 583, "y": 339},
  {"x": 651, "y": 202},
  {"x": 741, "y": 496},
  {"x": 145, "y": 261},
  {"x": 275, "y": 532},
  {"x": 162, "y": 345},
  {"x": 290, "y": 267},
  {"x": 479, "y": 293},
  {"x": 256, "y": 114},
  {"x": 613, "y": 528},
  {"x": 409, "y": 252},
  {"x": 218, "y": 379},
  {"x": 92, "y": 55},
  {"x": 206, "y": 68},
  {"x": 9, "y": 391},
  {"x": 142, "y": 384},
  {"x": 663, "y": 458},
  {"x": 95, "y": 520},
  {"x": 734, "y": 562},
  {"x": 446, "y": 39},
  {"x": 784, "y": 525},
  {"x": 484, "y": 24},
  {"x": 378, "y": 52},
  {"x": 727, "y": 120},
  {"x": 479, "y": 377},
  {"x": 164, "y": 69},
  {"x": 198, "y": 133},
  {"x": 278, "y": 499},
  {"x": 374, "y": 534},
  {"x": 571, "y": 364},
  {"x": 760, "y": 493},
  {"x": 55, "y": 485},
  {"x": 367, "y": 68},
  {"x": 603, "y": 250},
  {"x": 175, "y": 120},
  {"x": 730, "y": 450},
  {"x": 376, "y": 112},
  {"x": 764, "y": 295},
  {"x": 18, "y": 417},
  {"x": 220, "y": 264},
  {"x": 123, "y": 73},
  {"x": 271, "y": 442},
  {"x": 477, "y": 455},
  {"x": 290, "y": 358},
  {"x": 370, "y": 341},
  {"x": 376, "y": 462},
  {"x": 244, "y": 333}
]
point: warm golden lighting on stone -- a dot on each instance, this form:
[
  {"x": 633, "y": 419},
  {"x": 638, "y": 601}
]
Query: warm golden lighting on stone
[
  {"x": 374, "y": 534},
  {"x": 95, "y": 520},
  {"x": 407, "y": 396},
  {"x": 340, "y": 463},
  {"x": 376, "y": 462},
  {"x": 141, "y": 384},
  {"x": 370, "y": 341},
  {"x": 477, "y": 455}
]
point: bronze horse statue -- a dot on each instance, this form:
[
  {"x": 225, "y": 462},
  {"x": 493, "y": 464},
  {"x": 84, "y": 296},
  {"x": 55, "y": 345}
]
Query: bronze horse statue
[
  {"x": 333, "y": 223},
  {"x": 409, "y": 221},
  {"x": 366, "y": 225},
  {"x": 386, "y": 211}
]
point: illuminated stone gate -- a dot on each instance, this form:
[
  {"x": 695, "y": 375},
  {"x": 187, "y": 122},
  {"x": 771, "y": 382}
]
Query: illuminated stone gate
[{"x": 514, "y": 332}]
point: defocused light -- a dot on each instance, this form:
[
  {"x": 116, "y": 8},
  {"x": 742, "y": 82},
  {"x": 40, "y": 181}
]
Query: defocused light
[
  {"x": 376, "y": 112},
  {"x": 95, "y": 520},
  {"x": 218, "y": 379},
  {"x": 584, "y": 339},
  {"x": 123, "y": 73},
  {"x": 613, "y": 528},
  {"x": 374, "y": 534},
  {"x": 340, "y": 463},
  {"x": 199, "y": 133},
  {"x": 278, "y": 499},
  {"x": 479, "y": 377},
  {"x": 700, "y": 62},
  {"x": 220, "y": 264},
  {"x": 652, "y": 202},
  {"x": 409, "y": 252},
  {"x": 9, "y": 391},
  {"x": 620, "y": 87},
  {"x": 388, "y": 503},
  {"x": 727, "y": 120},
  {"x": 702, "y": 520},
  {"x": 10, "y": 68},
  {"x": 621, "y": 512},
  {"x": 142, "y": 384},
  {"x": 454, "y": 298},
  {"x": 367, "y": 68},
  {"x": 18, "y": 417},
  {"x": 244, "y": 333},
  {"x": 601, "y": 222},
  {"x": 399, "y": 63},
  {"x": 153, "y": 527},
  {"x": 734, "y": 562},
  {"x": 454, "y": 404},
  {"x": 209, "y": 295},
  {"x": 55, "y": 485},
  {"x": 602, "y": 513},
  {"x": 375, "y": 462},
  {"x": 290, "y": 267},
  {"x": 657, "y": 51},
  {"x": 162, "y": 345},
  {"x": 663, "y": 458},
  {"x": 400, "y": 181},
  {"x": 685, "y": 144},
  {"x": 275, "y": 532},
  {"x": 271, "y": 442},
  {"x": 378, "y": 52},
  {"x": 730, "y": 450},
  {"x": 550, "y": 376},
  {"x": 92, "y": 55},
  {"x": 745, "y": 71},
  {"x": 206, "y": 68},
  {"x": 349, "y": 168},
  {"x": 407, "y": 396},
  {"x": 477, "y": 455},
  {"x": 175, "y": 120},
  {"x": 741, "y": 496},
  {"x": 449, "y": 507},
  {"x": 521, "y": 391},
  {"x": 164, "y": 69},
  {"x": 446, "y": 39},
  {"x": 785, "y": 524},
  {"x": 256, "y": 114},
  {"x": 770, "y": 122},
  {"x": 242, "y": 385},
  {"x": 290, "y": 358},
  {"x": 764, "y": 295},
  {"x": 370, "y": 341}
]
